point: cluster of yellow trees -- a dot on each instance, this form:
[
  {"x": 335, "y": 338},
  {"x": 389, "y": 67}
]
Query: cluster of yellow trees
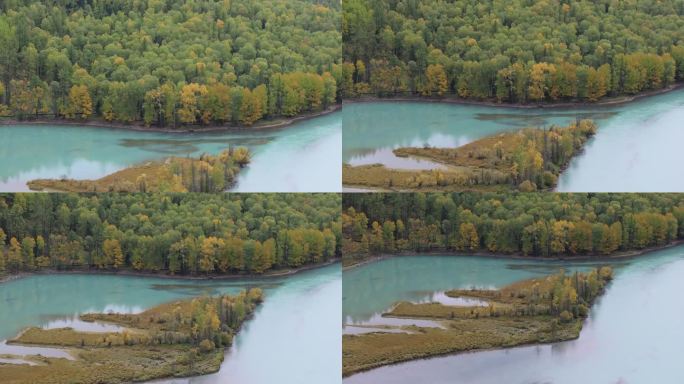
[
  {"x": 180, "y": 233},
  {"x": 186, "y": 104},
  {"x": 218, "y": 103}
]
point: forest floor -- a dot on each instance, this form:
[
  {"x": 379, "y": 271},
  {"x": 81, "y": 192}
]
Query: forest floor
[
  {"x": 515, "y": 315},
  {"x": 606, "y": 102},
  {"x": 158, "y": 177},
  {"x": 139, "y": 126},
  {"x": 132, "y": 355}
]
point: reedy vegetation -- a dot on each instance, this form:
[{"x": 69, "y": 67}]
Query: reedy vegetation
[
  {"x": 518, "y": 51},
  {"x": 184, "y": 233},
  {"x": 169, "y": 62}
]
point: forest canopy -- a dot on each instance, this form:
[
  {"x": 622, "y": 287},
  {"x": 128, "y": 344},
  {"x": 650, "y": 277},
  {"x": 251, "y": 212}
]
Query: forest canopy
[
  {"x": 182, "y": 233},
  {"x": 531, "y": 224},
  {"x": 169, "y": 62},
  {"x": 512, "y": 51}
]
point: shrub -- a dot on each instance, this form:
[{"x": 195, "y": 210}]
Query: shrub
[
  {"x": 550, "y": 179},
  {"x": 527, "y": 186},
  {"x": 206, "y": 346},
  {"x": 566, "y": 317}
]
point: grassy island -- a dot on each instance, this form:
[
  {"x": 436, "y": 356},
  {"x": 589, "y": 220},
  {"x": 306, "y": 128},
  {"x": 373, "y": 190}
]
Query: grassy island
[
  {"x": 541, "y": 310},
  {"x": 177, "y": 339},
  {"x": 527, "y": 160},
  {"x": 175, "y": 174}
]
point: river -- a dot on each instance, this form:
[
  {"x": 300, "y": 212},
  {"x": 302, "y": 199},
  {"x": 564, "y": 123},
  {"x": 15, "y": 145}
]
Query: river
[
  {"x": 637, "y": 147},
  {"x": 303, "y": 157},
  {"x": 633, "y": 333},
  {"x": 292, "y": 338}
]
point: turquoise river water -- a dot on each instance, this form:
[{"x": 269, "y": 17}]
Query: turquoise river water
[
  {"x": 633, "y": 333},
  {"x": 304, "y": 157},
  {"x": 637, "y": 147},
  {"x": 295, "y": 331}
]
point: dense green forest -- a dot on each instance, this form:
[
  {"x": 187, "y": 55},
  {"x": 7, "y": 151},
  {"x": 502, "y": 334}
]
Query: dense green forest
[
  {"x": 545, "y": 225},
  {"x": 180, "y": 233},
  {"x": 169, "y": 62},
  {"x": 512, "y": 51}
]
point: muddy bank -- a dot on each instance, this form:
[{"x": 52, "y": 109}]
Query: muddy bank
[
  {"x": 607, "y": 102},
  {"x": 272, "y": 274},
  {"x": 138, "y": 126}
]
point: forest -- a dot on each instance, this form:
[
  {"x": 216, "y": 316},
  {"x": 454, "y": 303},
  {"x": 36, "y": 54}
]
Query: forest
[
  {"x": 179, "y": 234},
  {"x": 169, "y": 63},
  {"x": 519, "y": 51},
  {"x": 539, "y": 225}
]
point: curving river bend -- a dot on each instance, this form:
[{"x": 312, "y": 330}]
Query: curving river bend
[
  {"x": 303, "y": 157},
  {"x": 638, "y": 147},
  {"x": 295, "y": 330},
  {"x": 633, "y": 333}
]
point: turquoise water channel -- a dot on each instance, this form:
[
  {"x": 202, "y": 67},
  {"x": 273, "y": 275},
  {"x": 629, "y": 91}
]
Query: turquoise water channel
[{"x": 304, "y": 157}]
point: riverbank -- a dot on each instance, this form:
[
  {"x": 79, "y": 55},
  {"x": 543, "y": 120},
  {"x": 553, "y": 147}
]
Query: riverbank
[
  {"x": 131, "y": 273},
  {"x": 607, "y": 102},
  {"x": 138, "y": 126},
  {"x": 621, "y": 255}
]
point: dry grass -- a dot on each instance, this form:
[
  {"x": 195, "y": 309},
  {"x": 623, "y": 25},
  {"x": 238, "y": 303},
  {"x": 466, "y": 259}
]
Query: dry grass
[
  {"x": 175, "y": 174},
  {"x": 367, "y": 351},
  {"x": 153, "y": 318},
  {"x": 115, "y": 365},
  {"x": 452, "y": 179},
  {"x": 68, "y": 337},
  {"x": 158, "y": 177}
]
